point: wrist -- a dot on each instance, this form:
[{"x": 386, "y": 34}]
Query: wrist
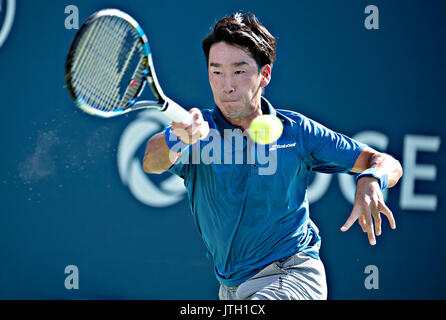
[
  {"x": 173, "y": 141},
  {"x": 376, "y": 173}
]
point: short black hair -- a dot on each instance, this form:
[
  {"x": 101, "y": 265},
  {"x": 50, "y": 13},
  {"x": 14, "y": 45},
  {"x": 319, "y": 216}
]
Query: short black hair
[{"x": 246, "y": 31}]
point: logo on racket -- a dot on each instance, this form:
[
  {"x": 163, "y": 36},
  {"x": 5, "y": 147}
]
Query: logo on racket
[
  {"x": 169, "y": 191},
  {"x": 7, "y": 12}
]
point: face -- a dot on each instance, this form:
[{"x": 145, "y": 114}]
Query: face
[{"x": 235, "y": 80}]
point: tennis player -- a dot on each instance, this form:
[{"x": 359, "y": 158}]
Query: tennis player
[{"x": 257, "y": 227}]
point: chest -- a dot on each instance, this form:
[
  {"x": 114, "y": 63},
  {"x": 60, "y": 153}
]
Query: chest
[{"x": 230, "y": 166}]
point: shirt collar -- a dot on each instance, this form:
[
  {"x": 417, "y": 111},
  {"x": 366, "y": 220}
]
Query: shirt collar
[{"x": 221, "y": 123}]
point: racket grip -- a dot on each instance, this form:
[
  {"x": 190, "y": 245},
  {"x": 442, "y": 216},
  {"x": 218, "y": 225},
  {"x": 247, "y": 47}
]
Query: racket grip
[{"x": 176, "y": 113}]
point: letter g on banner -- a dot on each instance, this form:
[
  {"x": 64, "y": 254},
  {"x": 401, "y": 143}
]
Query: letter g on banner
[
  {"x": 171, "y": 190},
  {"x": 7, "y": 12}
]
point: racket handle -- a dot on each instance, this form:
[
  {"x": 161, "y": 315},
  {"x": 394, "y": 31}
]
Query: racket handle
[{"x": 176, "y": 113}]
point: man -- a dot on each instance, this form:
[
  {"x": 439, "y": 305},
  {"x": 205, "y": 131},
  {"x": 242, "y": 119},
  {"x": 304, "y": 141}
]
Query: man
[{"x": 256, "y": 227}]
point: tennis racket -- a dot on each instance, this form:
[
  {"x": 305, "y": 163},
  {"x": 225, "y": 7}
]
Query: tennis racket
[{"x": 108, "y": 66}]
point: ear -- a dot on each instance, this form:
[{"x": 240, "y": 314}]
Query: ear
[{"x": 266, "y": 75}]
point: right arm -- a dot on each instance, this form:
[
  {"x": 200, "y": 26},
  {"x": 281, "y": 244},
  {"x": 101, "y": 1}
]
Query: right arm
[{"x": 159, "y": 158}]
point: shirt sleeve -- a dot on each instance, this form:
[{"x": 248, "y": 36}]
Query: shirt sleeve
[
  {"x": 326, "y": 150},
  {"x": 181, "y": 168}
]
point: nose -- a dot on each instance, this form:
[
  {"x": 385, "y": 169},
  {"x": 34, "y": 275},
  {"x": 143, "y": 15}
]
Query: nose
[{"x": 228, "y": 86}]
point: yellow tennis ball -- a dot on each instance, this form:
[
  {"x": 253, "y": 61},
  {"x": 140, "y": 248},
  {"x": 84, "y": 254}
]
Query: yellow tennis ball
[{"x": 265, "y": 129}]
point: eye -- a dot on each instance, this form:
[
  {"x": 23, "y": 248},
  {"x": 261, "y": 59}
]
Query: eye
[
  {"x": 239, "y": 72},
  {"x": 216, "y": 72}
]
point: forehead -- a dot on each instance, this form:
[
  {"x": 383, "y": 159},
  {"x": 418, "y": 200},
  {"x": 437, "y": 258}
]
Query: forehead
[{"x": 224, "y": 53}]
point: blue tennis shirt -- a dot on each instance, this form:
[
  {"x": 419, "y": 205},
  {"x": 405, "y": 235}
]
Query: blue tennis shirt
[{"x": 249, "y": 201}]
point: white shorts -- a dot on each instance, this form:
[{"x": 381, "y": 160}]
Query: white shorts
[{"x": 300, "y": 277}]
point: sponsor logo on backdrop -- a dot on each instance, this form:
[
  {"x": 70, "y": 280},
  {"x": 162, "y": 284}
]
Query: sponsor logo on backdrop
[
  {"x": 7, "y": 13},
  {"x": 134, "y": 137}
]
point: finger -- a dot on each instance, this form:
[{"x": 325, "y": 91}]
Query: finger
[
  {"x": 194, "y": 110},
  {"x": 196, "y": 113},
  {"x": 196, "y": 132},
  {"x": 369, "y": 227},
  {"x": 196, "y": 128},
  {"x": 204, "y": 130},
  {"x": 179, "y": 125},
  {"x": 351, "y": 219},
  {"x": 197, "y": 118},
  {"x": 377, "y": 222},
  {"x": 386, "y": 211},
  {"x": 374, "y": 205},
  {"x": 180, "y": 132},
  {"x": 361, "y": 221},
  {"x": 189, "y": 130}
]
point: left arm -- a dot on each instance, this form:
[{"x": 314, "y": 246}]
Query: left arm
[{"x": 369, "y": 201}]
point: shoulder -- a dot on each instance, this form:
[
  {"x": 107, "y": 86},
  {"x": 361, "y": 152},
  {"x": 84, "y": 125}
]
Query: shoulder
[
  {"x": 302, "y": 127},
  {"x": 292, "y": 119}
]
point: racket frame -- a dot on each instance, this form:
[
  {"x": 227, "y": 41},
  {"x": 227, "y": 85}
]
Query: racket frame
[{"x": 164, "y": 104}]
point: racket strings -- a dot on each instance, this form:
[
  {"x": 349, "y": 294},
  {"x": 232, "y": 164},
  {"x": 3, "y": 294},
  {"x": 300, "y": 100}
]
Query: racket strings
[
  {"x": 93, "y": 73},
  {"x": 137, "y": 77},
  {"x": 92, "y": 69},
  {"x": 107, "y": 58},
  {"x": 101, "y": 76}
]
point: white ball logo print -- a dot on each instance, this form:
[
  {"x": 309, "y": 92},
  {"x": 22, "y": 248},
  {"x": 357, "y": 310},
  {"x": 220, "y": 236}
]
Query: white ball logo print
[
  {"x": 171, "y": 190},
  {"x": 8, "y": 13}
]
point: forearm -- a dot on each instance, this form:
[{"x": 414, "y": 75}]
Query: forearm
[{"x": 158, "y": 157}]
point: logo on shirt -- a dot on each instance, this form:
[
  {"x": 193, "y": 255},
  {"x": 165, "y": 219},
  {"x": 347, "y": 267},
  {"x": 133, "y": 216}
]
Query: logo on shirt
[
  {"x": 281, "y": 146},
  {"x": 134, "y": 137},
  {"x": 7, "y": 12}
]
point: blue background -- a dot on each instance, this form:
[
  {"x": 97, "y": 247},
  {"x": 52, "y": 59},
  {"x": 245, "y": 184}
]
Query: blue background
[{"x": 63, "y": 201}]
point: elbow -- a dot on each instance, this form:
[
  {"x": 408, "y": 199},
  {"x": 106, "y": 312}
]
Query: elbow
[
  {"x": 156, "y": 158},
  {"x": 151, "y": 166},
  {"x": 148, "y": 164},
  {"x": 148, "y": 167}
]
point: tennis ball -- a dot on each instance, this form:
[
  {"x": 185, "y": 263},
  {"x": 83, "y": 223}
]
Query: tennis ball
[{"x": 265, "y": 129}]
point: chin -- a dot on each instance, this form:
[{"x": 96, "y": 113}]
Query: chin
[{"x": 230, "y": 110}]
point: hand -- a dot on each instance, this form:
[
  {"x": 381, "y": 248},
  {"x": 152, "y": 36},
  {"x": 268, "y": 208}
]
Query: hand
[
  {"x": 191, "y": 133},
  {"x": 369, "y": 202}
]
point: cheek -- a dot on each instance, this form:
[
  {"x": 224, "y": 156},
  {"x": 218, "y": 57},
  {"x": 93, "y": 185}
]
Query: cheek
[
  {"x": 213, "y": 81},
  {"x": 249, "y": 83}
]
